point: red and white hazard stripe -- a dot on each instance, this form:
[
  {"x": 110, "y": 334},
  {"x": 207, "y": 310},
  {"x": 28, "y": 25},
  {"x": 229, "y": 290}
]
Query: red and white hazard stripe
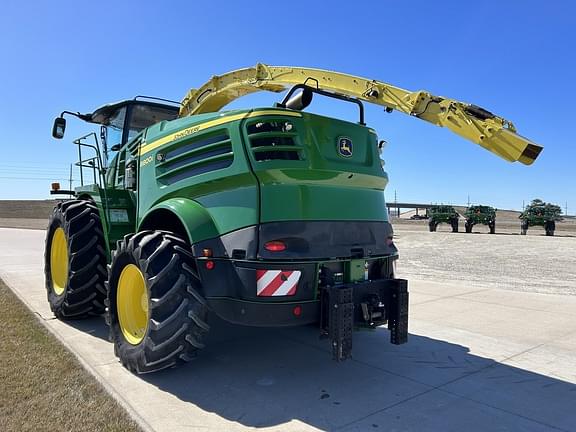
[{"x": 277, "y": 282}]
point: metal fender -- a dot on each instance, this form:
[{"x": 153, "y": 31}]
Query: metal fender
[{"x": 196, "y": 220}]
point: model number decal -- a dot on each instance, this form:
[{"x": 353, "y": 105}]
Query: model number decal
[{"x": 146, "y": 161}]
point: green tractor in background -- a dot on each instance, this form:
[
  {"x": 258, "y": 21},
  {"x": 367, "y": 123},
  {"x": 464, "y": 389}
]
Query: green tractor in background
[
  {"x": 480, "y": 214},
  {"x": 438, "y": 214},
  {"x": 540, "y": 213},
  {"x": 263, "y": 217}
]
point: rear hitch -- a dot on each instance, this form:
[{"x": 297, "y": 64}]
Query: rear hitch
[
  {"x": 373, "y": 311},
  {"x": 398, "y": 312},
  {"x": 378, "y": 303},
  {"x": 337, "y": 320}
]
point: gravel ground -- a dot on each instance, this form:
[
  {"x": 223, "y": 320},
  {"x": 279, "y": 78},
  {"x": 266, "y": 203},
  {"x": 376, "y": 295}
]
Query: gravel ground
[
  {"x": 532, "y": 263},
  {"x": 24, "y": 223}
]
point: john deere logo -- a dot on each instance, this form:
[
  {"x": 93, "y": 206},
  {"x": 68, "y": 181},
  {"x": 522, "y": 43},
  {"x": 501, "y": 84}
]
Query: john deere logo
[{"x": 345, "y": 146}]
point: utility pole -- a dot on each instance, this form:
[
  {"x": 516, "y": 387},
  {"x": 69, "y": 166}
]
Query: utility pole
[
  {"x": 468, "y": 200},
  {"x": 566, "y": 209}
]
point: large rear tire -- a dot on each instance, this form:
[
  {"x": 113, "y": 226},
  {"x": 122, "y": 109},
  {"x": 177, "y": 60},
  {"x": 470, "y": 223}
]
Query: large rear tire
[
  {"x": 454, "y": 224},
  {"x": 75, "y": 261},
  {"x": 156, "y": 312},
  {"x": 492, "y": 226}
]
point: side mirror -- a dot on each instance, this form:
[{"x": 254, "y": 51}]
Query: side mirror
[
  {"x": 59, "y": 127},
  {"x": 381, "y": 146}
]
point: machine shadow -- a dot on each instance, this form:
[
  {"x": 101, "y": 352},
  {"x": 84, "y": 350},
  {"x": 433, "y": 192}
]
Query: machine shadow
[
  {"x": 259, "y": 377},
  {"x": 94, "y": 326}
]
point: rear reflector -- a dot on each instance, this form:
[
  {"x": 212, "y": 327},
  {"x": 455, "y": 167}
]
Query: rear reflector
[
  {"x": 275, "y": 246},
  {"x": 271, "y": 283}
]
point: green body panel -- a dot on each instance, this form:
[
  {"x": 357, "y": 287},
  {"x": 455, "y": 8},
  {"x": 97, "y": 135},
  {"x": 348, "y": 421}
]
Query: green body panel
[
  {"x": 323, "y": 185},
  {"x": 442, "y": 213},
  {"x": 480, "y": 214},
  {"x": 117, "y": 209},
  {"x": 355, "y": 270},
  {"x": 220, "y": 172},
  {"x": 194, "y": 217},
  {"x": 228, "y": 196},
  {"x": 538, "y": 213}
]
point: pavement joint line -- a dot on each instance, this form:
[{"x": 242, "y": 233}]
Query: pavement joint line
[
  {"x": 352, "y": 359},
  {"x": 489, "y": 285},
  {"x": 142, "y": 423},
  {"x": 512, "y": 306},
  {"x": 439, "y": 388},
  {"x": 523, "y": 308},
  {"x": 452, "y": 296},
  {"x": 395, "y": 404},
  {"x": 26, "y": 228},
  {"x": 503, "y": 410},
  {"x": 494, "y": 303}
]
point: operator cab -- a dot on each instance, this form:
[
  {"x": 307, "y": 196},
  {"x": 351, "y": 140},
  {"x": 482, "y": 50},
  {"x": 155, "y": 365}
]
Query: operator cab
[
  {"x": 122, "y": 121},
  {"x": 119, "y": 123}
]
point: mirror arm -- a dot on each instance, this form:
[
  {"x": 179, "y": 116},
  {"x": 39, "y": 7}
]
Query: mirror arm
[{"x": 85, "y": 117}]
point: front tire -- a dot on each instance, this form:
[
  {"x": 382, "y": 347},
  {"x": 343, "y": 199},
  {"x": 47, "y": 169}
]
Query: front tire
[
  {"x": 75, "y": 261},
  {"x": 156, "y": 313}
]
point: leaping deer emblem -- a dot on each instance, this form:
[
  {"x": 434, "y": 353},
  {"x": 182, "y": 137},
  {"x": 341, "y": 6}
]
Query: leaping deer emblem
[{"x": 345, "y": 147}]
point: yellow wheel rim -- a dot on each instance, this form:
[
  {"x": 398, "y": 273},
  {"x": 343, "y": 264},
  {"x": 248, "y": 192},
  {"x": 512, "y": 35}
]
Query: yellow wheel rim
[
  {"x": 132, "y": 304},
  {"x": 59, "y": 261}
]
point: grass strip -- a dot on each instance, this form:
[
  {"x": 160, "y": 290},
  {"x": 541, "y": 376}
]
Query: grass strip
[{"x": 43, "y": 387}]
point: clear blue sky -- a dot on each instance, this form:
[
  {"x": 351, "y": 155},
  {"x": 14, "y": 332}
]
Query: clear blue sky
[{"x": 515, "y": 58}]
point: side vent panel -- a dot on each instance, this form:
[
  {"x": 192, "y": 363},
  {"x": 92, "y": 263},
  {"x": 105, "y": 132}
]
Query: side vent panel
[
  {"x": 274, "y": 140},
  {"x": 193, "y": 157}
]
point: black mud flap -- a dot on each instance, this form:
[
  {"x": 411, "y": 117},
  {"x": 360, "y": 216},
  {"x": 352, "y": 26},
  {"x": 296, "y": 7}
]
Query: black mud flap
[
  {"x": 338, "y": 320},
  {"x": 398, "y": 312}
]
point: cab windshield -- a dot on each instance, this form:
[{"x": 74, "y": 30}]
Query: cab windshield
[
  {"x": 127, "y": 122},
  {"x": 143, "y": 116},
  {"x": 115, "y": 127}
]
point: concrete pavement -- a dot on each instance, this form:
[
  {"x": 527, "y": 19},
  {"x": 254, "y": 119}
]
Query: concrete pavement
[{"x": 478, "y": 359}]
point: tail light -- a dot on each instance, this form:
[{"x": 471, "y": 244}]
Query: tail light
[{"x": 275, "y": 246}]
